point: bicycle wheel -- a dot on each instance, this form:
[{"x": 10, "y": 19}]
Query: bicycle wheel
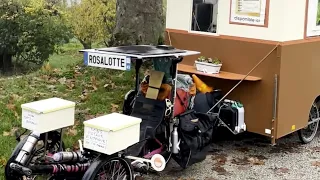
[
  {"x": 109, "y": 168},
  {"x": 53, "y": 145},
  {"x": 307, "y": 134}
]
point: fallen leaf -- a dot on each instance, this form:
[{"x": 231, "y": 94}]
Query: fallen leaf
[
  {"x": 243, "y": 149},
  {"x": 11, "y": 132},
  {"x": 255, "y": 161},
  {"x": 240, "y": 161},
  {"x": 52, "y": 80},
  {"x": 94, "y": 88},
  {"x": 72, "y": 131},
  {"x": 3, "y": 161},
  {"x": 121, "y": 75},
  {"x": 114, "y": 107},
  {"x": 62, "y": 80},
  {"x": 70, "y": 84},
  {"x": 99, "y": 114},
  {"x": 16, "y": 115},
  {"x": 220, "y": 170},
  {"x": 14, "y": 97},
  {"x": 84, "y": 95},
  {"x": 281, "y": 170},
  {"x": 44, "y": 77},
  {"x": 220, "y": 159},
  {"x": 111, "y": 86},
  {"x": 11, "y": 107},
  {"x": 46, "y": 67},
  {"x": 316, "y": 163},
  {"x": 75, "y": 146},
  {"x": 76, "y": 74},
  {"x": 51, "y": 87},
  {"x": 57, "y": 71},
  {"x": 94, "y": 83},
  {"x": 88, "y": 117},
  {"x": 5, "y": 133},
  {"x": 315, "y": 149}
]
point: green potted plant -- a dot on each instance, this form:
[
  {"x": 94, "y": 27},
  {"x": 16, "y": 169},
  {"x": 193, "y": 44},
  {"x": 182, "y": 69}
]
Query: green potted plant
[{"x": 208, "y": 65}]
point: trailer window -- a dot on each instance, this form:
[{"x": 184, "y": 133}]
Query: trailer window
[
  {"x": 204, "y": 16},
  {"x": 313, "y": 21}
]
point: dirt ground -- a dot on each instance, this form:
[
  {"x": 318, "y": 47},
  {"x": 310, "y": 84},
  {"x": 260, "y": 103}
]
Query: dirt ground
[{"x": 251, "y": 157}]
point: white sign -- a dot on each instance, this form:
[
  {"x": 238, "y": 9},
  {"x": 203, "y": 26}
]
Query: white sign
[
  {"x": 250, "y": 12},
  {"x": 29, "y": 120},
  {"x": 313, "y": 21},
  {"x": 109, "y": 61},
  {"x": 95, "y": 139}
]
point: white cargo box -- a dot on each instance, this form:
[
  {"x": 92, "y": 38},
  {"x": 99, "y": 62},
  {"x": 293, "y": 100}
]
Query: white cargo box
[
  {"x": 111, "y": 133},
  {"x": 48, "y": 115}
]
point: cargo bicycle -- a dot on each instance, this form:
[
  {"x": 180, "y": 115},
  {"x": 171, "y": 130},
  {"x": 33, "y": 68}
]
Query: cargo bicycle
[{"x": 150, "y": 132}]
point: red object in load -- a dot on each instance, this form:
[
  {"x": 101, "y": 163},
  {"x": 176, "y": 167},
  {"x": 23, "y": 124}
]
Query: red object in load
[{"x": 181, "y": 102}]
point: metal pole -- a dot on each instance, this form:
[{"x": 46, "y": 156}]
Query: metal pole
[
  {"x": 274, "y": 116},
  {"x": 243, "y": 78},
  {"x": 61, "y": 142}
]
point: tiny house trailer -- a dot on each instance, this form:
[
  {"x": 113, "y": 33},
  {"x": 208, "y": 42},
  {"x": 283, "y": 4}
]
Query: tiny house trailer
[{"x": 277, "y": 38}]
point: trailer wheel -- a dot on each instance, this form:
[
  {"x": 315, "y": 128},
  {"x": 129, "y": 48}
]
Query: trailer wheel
[{"x": 307, "y": 134}]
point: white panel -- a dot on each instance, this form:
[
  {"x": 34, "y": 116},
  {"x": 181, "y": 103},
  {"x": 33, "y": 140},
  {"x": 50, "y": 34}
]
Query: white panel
[
  {"x": 179, "y": 14},
  {"x": 313, "y": 29},
  {"x": 286, "y": 20},
  {"x": 272, "y": 32},
  {"x": 294, "y": 19}
]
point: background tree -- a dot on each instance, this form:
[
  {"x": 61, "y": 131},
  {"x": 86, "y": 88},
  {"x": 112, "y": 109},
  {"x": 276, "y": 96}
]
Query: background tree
[
  {"x": 138, "y": 22},
  {"x": 92, "y": 21},
  {"x": 30, "y": 31}
]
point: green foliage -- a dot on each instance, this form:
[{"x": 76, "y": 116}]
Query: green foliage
[
  {"x": 318, "y": 13},
  {"x": 31, "y": 29},
  {"x": 92, "y": 20},
  {"x": 209, "y": 60}
]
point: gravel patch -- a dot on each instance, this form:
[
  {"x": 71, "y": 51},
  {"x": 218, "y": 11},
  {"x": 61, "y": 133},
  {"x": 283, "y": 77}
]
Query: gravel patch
[{"x": 250, "y": 157}]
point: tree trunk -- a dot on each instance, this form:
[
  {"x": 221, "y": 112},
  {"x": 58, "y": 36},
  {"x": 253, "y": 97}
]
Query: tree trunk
[
  {"x": 6, "y": 62},
  {"x": 86, "y": 45},
  {"x": 138, "y": 22},
  {"x": 1, "y": 63}
]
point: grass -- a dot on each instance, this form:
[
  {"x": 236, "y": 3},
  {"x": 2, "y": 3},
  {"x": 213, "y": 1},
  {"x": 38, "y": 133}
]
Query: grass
[{"x": 97, "y": 91}]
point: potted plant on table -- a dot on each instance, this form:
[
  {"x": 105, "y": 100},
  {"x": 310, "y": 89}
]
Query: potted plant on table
[{"x": 208, "y": 65}]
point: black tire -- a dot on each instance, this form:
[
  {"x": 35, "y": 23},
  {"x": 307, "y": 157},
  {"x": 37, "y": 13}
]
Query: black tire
[
  {"x": 55, "y": 143},
  {"x": 98, "y": 165},
  {"x": 314, "y": 113}
]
